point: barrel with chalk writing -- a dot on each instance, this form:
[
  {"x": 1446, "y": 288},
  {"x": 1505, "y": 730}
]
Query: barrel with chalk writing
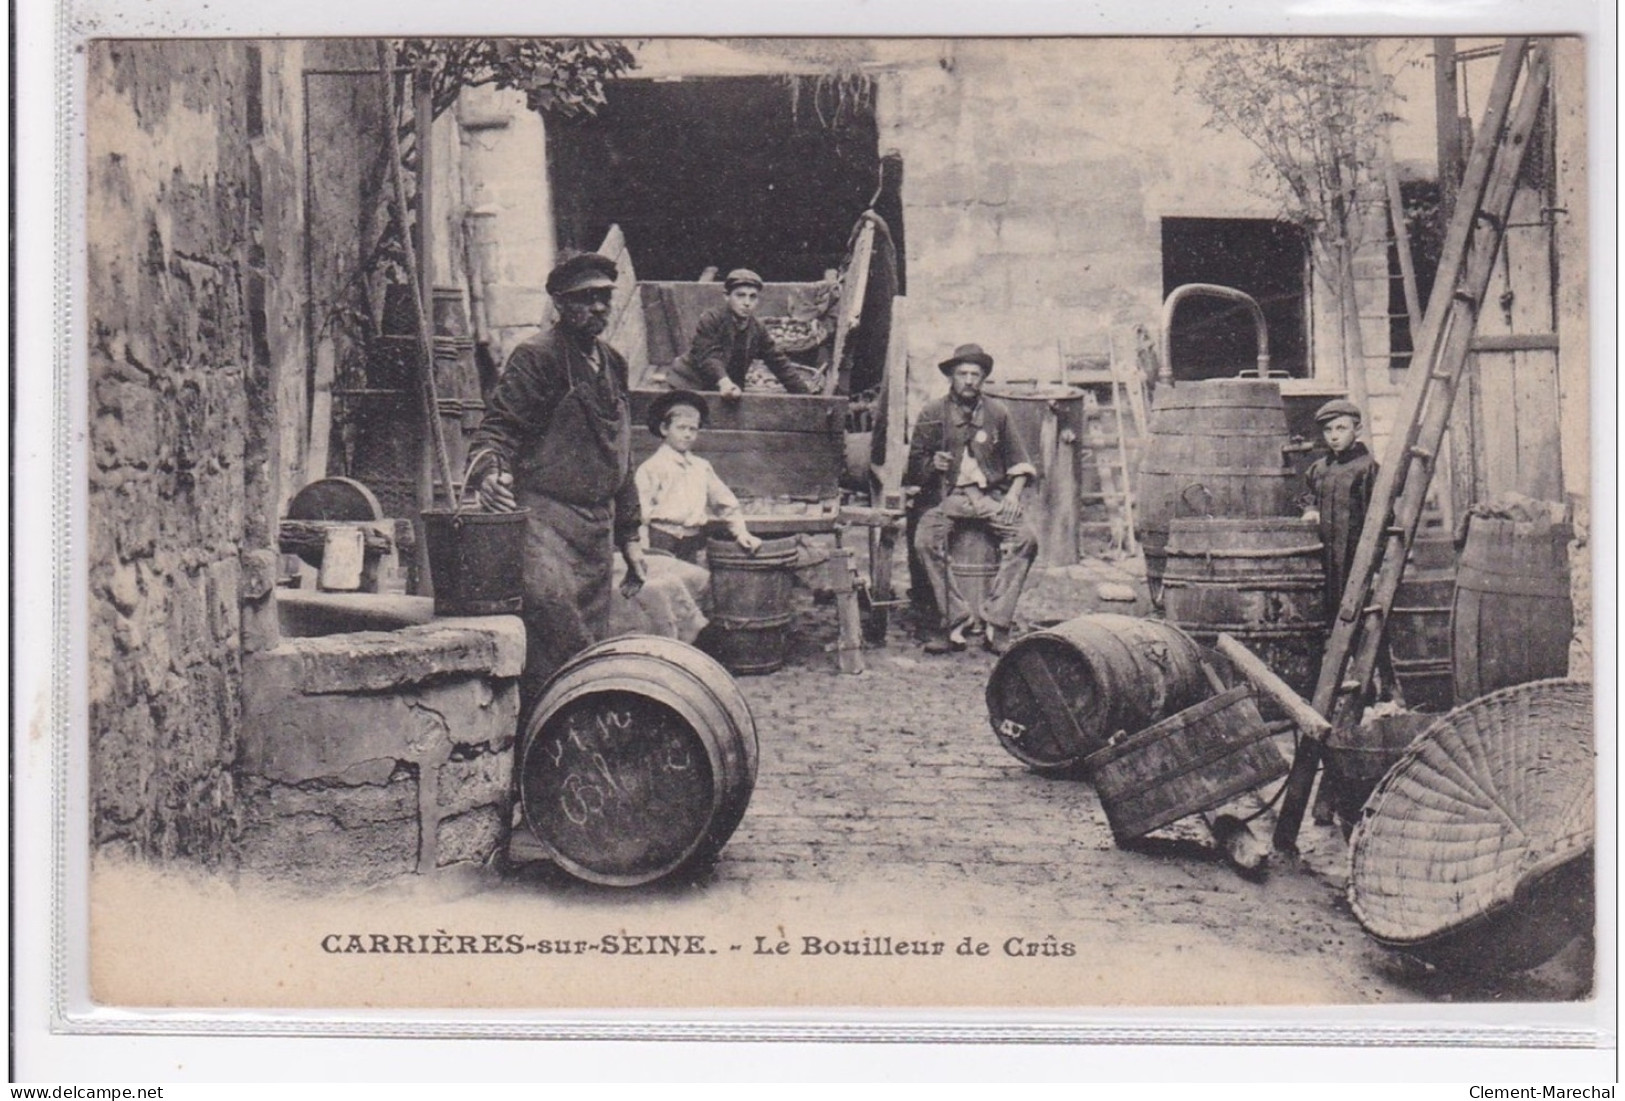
[{"x": 638, "y": 761}]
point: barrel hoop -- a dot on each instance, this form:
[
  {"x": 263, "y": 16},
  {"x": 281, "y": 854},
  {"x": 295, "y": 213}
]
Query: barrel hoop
[
  {"x": 1249, "y": 472},
  {"x": 1283, "y": 583},
  {"x": 1495, "y": 583},
  {"x": 1244, "y": 553},
  {"x": 757, "y": 565},
  {"x": 738, "y": 623},
  {"x": 1252, "y": 630},
  {"x": 1422, "y": 665}
]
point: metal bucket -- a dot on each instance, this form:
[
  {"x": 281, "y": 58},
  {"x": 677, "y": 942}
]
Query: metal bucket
[
  {"x": 1186, "y": 764},
  {"x": 477, "y": 561},
  {"x": 1057, "y": 696},
  {"x": 638, "y": 761},
  {"x": 751, "y": 603}
]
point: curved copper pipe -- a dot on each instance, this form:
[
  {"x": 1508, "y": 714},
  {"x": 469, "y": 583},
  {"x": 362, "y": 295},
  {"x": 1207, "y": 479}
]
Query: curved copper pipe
[{"x": 1213, "y": 290}]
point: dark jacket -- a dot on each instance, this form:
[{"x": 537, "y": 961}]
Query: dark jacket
[
  {"x": 989, "y": 432},
  {"x": 722, "y": 346},
  {"x": 518, "y": 421},
  {"x": 1342, "y": 487}
]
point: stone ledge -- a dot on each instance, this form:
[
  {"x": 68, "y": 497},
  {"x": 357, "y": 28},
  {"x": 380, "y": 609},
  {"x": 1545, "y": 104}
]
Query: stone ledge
[{"x": 422, "y": 647}]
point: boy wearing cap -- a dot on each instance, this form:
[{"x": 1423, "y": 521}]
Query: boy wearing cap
[
  {"x": 728, "y": 339},
  {"x": 556, "y": 439},
  {"x": 967, "y": 456},
  {"x": 679, "y": 491},
  {"x": 1341, "y": 482}
]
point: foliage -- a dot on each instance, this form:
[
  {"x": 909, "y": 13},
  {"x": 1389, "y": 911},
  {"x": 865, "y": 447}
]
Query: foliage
[
  {"x": 1315, "y": 109},
  {"x": 563, "y": 77}
]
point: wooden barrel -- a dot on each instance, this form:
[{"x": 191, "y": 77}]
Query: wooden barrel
[
  {"x": 751, "y": 603},
  {"x": 973, "y": 560},
  {"x": 1419, "y": 624},
  {"x": 1263, "y": 582},
  {"x": 1215, "y": 450},
  {"x": 1050, "y": 422},
  {"x": 1188, "y": 763},
  {"x": 1058, "y": 695},
  {"x": 1513, "y": 614},
  {"x": 638, "y": 761}
]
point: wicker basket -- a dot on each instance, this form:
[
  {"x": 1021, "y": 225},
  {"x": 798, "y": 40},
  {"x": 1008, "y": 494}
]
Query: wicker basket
[{"x": 1477, "y": 845}]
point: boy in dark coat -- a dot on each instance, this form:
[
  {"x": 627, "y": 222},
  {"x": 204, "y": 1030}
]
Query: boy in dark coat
[{"x": 1341, "y": 482}]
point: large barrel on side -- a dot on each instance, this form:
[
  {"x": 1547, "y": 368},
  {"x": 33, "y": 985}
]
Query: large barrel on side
[
  {"x": 1513, "y": 614},
  {"x": 1058, "y": 695},
  {"x": 1050, "y": 421},
  {"x": 638, "y": 761},
  {"x": 1419, "y": 625},
  {"x": 1261, "y": 581},
  {"x": 751, "y": 603},
  {"x": 1185, "y": 764},
  {"x": 1215, "y": 450}
]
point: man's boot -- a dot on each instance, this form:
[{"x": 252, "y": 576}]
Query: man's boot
[
  {"x": 997, "y": 640},
  {"x": 941, "y": 642}
]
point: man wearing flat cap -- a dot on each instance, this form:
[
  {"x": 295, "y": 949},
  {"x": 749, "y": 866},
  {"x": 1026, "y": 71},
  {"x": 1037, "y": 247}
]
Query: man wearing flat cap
[
  {"x": 728, "y": 339},
  {"x": 557, "y": 440},
  {"x": 966, "y": 455}
]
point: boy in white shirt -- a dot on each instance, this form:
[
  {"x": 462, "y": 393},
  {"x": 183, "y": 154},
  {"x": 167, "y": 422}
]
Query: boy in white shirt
[{"x": 680, "y": 492}]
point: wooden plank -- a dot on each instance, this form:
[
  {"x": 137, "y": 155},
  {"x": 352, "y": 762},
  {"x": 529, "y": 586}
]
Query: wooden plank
[
  {"x": 896, "y": 394},
  {"x": 625, "y": 331},
  {"x": 1528, "y": 255},
  {"x": 321, "y": 409},
  {"x": 848, "y": 314},
  {"x": 1573, "y": 244},
  {"x": 1310, "y": 721},
  {"x": 1516, "y": 342},
  {"x": 809, "y": 413}
]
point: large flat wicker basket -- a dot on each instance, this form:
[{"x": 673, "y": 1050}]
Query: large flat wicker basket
[{"x": 1478, "y": 843}]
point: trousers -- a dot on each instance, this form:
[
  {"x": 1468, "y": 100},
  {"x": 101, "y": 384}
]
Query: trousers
[{"x": 1018, "y": 548}]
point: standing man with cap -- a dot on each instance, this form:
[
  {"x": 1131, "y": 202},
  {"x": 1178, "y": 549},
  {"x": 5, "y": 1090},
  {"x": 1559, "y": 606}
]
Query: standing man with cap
[
  {"x": 557, "y": 440},
  {"x": 1341, "y": 482},
  {"x": 966, "y": 446},
  {"x": 728, "y": 339}
]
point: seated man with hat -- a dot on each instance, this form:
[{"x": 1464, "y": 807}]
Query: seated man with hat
[
  {"x": 728, "y": 339},
  {"x": 966, "y": 454}
]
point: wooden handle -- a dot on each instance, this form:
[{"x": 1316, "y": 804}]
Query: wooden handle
[{"x": 1310, "y": 721}]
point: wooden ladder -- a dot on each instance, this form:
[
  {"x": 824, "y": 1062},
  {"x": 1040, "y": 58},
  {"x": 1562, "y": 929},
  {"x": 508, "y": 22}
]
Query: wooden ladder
[
  {"x": 1437, "y": 369},
  {"x": 1117, "y": 455}
]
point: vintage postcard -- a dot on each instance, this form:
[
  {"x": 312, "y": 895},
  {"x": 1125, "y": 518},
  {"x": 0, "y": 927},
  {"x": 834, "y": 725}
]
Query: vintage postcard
[{"x": 700, "y": 526}]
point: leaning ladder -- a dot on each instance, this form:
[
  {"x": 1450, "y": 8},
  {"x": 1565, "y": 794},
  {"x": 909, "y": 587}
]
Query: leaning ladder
[{"x": 1437, "y": 368}]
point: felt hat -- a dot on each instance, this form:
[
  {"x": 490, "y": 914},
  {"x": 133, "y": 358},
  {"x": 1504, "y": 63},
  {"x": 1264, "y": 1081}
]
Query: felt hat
[
  {"x": 584, "y": 271},
  {"x": 967, "y": 353},
  {"x": 742, "y": 277},
  {"x": 1337, "y": 407},
  {"x": 662, "y": 406}
]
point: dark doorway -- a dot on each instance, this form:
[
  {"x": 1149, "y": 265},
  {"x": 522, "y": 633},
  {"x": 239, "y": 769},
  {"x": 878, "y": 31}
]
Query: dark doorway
[
  {"x": 1213, "y": 338},
  {"x": 723, "y": 172}
]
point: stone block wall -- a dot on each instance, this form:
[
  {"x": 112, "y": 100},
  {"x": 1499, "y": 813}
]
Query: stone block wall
[
  {"x": 178, "y": 452},
  {"x": 375, "y": 754}
]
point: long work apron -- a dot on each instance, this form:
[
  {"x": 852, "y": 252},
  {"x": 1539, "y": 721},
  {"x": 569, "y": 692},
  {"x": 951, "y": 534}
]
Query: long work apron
[{"x": 569, "y": 538}]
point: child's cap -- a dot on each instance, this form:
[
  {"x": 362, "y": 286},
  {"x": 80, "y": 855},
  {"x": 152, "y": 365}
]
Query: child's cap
[
  {"x": 1337, "y": 407},
  {"x": 741, "y": 277},
  {"x": 661, "y": 407}
]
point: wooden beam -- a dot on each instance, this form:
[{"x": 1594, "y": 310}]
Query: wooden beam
[{"x": 1515, "y": 342}]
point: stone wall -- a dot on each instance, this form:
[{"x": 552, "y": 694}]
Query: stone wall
[
  {"x": 177, "y": 456},
  {"x": 375, "y": 754}
]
